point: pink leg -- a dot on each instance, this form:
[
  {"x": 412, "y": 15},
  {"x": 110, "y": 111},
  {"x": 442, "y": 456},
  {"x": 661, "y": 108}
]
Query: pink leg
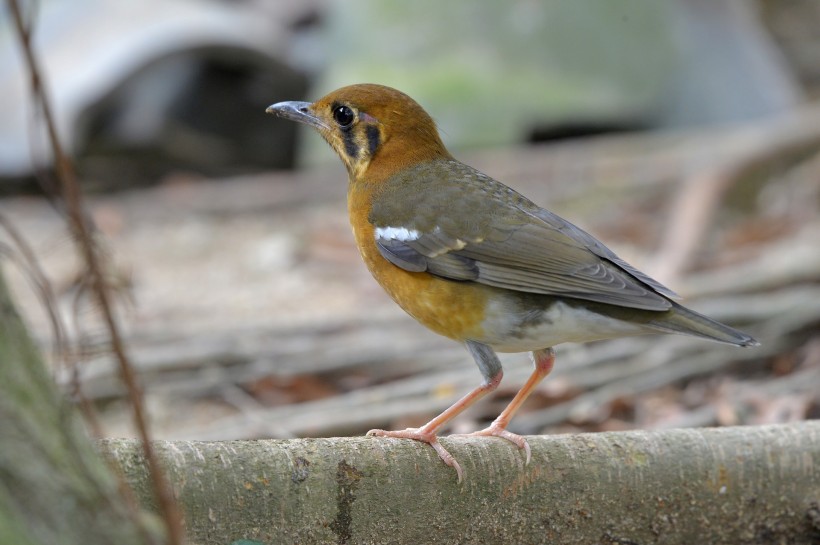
[
  {"x": 544, "y": 360},
  {"x": 428, "y": 432}
]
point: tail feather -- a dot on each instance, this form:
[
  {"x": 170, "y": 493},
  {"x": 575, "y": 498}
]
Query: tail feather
[{"x": 688, "y": 322}]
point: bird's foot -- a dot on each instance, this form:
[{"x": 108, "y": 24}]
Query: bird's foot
[
  {"x": 496, "y": 430},
  {"x": 429, "y": 437}
]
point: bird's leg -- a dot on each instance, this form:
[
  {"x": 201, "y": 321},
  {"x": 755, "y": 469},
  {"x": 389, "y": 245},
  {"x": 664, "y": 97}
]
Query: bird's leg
[
  {"x": 491, "y": 370},
  {"x": 543, "y": 360}
]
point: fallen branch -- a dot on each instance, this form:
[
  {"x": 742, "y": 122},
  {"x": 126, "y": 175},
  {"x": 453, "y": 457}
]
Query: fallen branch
[
  {"x": 728, "y": 485},
  {"x": 759, "y": 147},
  {"x": 606, "y": 371}
]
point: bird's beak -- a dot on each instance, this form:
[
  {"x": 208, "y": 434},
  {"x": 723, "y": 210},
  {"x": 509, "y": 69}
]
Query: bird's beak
[{"x": 296, "y": 111}]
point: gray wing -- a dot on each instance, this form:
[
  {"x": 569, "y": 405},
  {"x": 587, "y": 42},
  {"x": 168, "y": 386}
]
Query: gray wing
[{"x": 531, "y": 251}]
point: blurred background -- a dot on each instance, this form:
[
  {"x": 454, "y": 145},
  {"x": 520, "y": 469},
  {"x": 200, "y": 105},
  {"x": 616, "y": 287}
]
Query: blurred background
[{"x": 683, "y": 133}]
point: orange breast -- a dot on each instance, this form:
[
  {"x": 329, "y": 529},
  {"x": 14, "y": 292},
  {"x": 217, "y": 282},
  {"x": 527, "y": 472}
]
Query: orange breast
[{"x": 452, "y": 309}]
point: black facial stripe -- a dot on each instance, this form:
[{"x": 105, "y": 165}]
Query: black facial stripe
[
  {"x": 351, "y": 148},
  {"x": 373, "y": 139}
]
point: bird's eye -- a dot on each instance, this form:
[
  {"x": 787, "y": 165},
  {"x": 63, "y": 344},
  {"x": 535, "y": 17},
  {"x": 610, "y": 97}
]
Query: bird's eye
[{"x": 343, "y": 116}]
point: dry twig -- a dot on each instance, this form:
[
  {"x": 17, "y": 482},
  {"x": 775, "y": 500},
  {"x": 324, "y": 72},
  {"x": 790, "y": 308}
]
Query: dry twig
[{"x": 84, "y": 237}]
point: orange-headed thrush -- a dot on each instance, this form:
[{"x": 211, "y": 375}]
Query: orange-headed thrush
[{"x": 475, "y": 261}]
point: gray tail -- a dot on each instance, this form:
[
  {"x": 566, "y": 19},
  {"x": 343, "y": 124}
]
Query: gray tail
[{"x": 688, "y": 322}]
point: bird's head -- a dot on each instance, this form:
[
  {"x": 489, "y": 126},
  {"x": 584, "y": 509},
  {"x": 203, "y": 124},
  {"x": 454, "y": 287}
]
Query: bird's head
[{"x": 374, "y": 129}]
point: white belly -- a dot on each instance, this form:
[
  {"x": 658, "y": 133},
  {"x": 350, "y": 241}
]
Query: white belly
[{"x": 560, "y": 323}]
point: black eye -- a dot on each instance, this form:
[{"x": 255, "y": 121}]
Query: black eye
[{"x": 343, "y": 116}]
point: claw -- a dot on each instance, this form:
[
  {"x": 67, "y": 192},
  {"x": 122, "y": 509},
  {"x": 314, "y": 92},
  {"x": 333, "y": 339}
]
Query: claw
[
  {"x": 495, "y": 430},
  {"x": 419, "y": 434}
]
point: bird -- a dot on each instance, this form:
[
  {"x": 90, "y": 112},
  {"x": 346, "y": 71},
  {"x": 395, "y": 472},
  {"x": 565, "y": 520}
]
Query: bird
[{"x": 474, "y": 260}]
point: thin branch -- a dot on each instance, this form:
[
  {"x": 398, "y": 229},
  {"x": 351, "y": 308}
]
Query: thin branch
[
  {"x": 84, "y": 237},
  {"x": 25, "y": 257}
]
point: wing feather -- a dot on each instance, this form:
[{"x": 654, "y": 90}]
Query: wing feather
[{"x": 503, "y": 240}]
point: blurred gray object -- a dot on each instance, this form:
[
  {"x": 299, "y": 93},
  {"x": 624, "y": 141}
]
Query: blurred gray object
[
  {"x": 502, "y": 71},
  {"x": 142, "y": 88},
  {"x": 730, "y": 71}
]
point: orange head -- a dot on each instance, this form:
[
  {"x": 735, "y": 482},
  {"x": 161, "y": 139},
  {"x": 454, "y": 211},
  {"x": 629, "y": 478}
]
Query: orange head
[{"x": 376, "y": 130}]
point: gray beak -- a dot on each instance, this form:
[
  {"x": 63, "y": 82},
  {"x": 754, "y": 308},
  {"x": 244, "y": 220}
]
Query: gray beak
[{"x": 296, "y": 111}]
